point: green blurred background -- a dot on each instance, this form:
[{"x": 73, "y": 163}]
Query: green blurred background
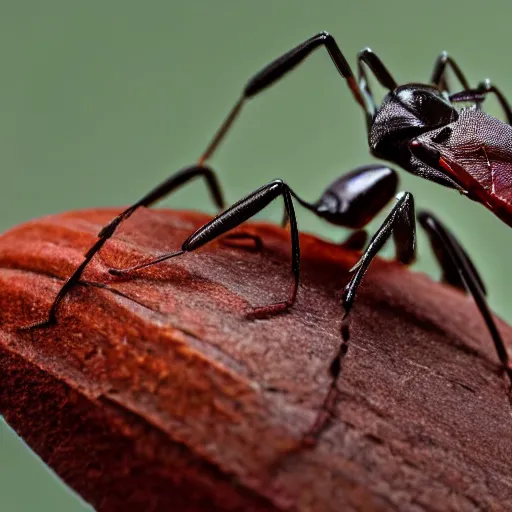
[{"x": 101, "y": 100}]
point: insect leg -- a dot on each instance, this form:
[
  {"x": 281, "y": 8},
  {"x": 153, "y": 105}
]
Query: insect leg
[
  {"x": 438, "y": 77},
  {"x": 402, "y": 225},
  {"x": 478, "y": 95},
  {"x": 366, "y": 56},
  {"x": 172, "y": 183},
  {"x": 233, "y": 217},
  {"x": 276, "y": 70},
  {"x": 487, "y": 87},
  {"x": 450, "y": 271},
  {"x": 442, "y": 237}
]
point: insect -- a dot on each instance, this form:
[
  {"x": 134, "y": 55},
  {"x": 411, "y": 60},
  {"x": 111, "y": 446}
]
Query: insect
[{"x": 416, "y": 127}]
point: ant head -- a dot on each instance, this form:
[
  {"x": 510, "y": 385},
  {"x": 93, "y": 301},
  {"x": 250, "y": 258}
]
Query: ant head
[
  {"x": 407, "y": 112},
  {"x": 426, "y": 103}
]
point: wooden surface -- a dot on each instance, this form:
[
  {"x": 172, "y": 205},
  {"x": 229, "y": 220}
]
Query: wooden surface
[{"x": 158, "y": 393}]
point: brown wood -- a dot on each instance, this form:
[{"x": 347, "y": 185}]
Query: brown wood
[{"x": 173, "y": 400}]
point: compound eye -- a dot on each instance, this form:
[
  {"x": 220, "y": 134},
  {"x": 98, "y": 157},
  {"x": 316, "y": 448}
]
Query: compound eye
[{"x": 428, "y": 105}]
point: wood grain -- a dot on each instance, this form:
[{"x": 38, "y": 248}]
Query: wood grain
[{"x": 157, "y": 393}]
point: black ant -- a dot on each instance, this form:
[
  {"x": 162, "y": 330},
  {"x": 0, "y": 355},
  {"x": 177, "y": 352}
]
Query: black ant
[{"x": 417, "y": 127}]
